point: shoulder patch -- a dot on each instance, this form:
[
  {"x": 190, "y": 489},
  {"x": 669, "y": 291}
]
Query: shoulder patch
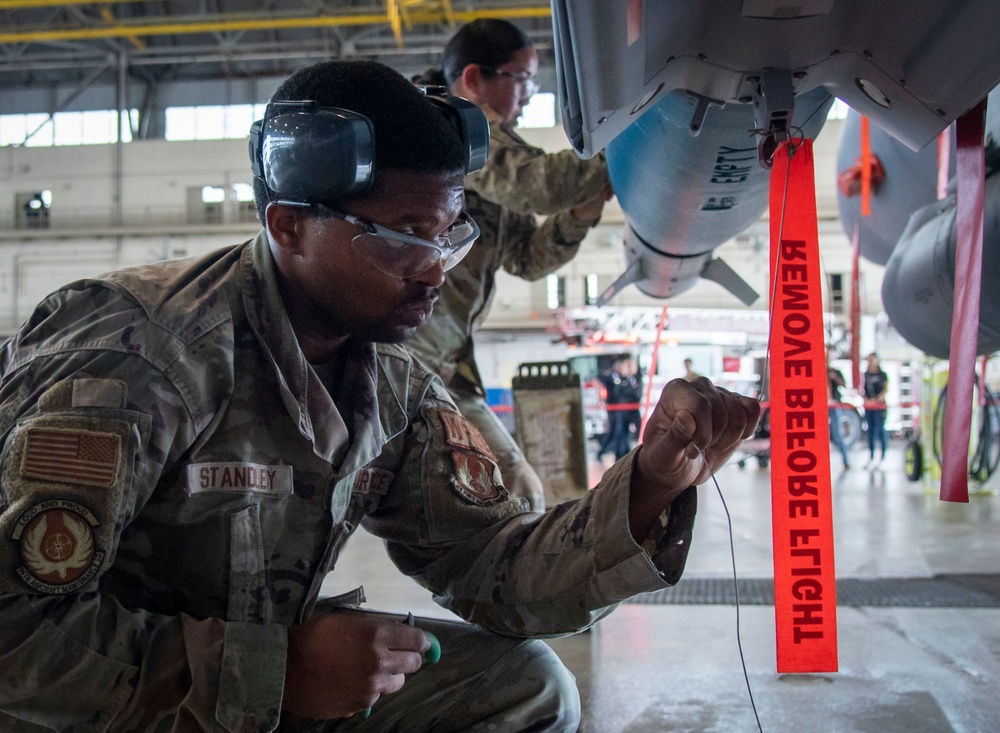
[
  {"x": 56, "y": 539},
  {"x": 460, "y": 433},
  {"x": 477, "y": 478},
  {"x": 476, "y": 474}
]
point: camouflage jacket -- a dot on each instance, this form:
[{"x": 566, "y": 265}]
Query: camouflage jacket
[
  {"x": 177, "y": 481},
  {"x": 517, "y": 182}
]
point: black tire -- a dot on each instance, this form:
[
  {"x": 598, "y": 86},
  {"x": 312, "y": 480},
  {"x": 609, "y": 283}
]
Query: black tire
[{"x": 913, "y": 458}]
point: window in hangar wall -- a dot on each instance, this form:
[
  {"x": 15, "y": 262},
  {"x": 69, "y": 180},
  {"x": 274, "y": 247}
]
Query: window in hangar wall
[
  {"x": 219, "y": 205},
  {"x": 555, "y": 291},
  {"x": 204, "y": 122},
  {"x": 92, "y": 127},
  {"x": 32, "y": 209},
  {"x": 540, "y": 111},
  {"x": 838, "y": 299},
  {"x": 591, "y": 290},
  {"x": 241, "y": 195},
  {"x": 228, "y": 121},
  {"x": 205, "y": 204},
  {"x": 211, "y": 122}
]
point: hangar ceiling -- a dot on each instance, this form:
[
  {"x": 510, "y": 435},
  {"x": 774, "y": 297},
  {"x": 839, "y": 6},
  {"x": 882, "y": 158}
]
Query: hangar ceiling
[{"x": 143, "y": 44}]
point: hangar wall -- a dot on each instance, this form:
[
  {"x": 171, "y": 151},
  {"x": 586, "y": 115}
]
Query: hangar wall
[
  {"x": 159, "y": 219},
  {"x": 162, "y": 215}
]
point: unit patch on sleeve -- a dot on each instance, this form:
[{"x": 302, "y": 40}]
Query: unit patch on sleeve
[
  {"x": 80, "y": 457},
  {"x": 460, "y": 433},
  {"x": 57, "y": 546},
  {"x": 477, "y": 478}
]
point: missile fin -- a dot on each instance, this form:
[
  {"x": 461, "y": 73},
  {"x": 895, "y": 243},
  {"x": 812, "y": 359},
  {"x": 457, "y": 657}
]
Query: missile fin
[
  {"x": 719, "y": 272},
  {"x": 632, "y": 273}
]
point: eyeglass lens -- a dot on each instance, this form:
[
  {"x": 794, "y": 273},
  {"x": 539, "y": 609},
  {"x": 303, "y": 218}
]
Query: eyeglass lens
[
  {"x": 407, "y": 259},
  {"x": 529, "y": 83}
]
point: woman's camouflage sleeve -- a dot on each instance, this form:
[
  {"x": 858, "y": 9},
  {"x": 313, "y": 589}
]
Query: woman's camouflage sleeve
[
  {"x": 532, "y": 250},
  {"x": 527, "y": 179}
]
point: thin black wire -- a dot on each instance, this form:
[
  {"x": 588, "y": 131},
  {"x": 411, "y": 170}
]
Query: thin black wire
[
  {"x": 767, "y": 363},
  {"x": 777, "y": 261},
  {"x": 736, "y": 590}
]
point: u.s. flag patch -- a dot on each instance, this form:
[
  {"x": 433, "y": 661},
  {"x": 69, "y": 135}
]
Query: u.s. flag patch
[{"x": 71, "y": 456}]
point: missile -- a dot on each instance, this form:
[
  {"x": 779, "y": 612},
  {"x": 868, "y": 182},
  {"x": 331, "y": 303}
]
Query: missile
[
  {"x": 918, "y": 287},
  {"x": 688, "y": 178},
  {"x": 910, "y": 182}
]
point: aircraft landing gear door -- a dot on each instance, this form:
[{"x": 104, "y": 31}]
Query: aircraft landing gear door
[{"x": 548, "y": 416}]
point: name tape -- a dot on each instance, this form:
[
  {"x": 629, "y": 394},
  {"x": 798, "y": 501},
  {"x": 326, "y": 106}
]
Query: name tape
[{"x": 240, "y": 478}]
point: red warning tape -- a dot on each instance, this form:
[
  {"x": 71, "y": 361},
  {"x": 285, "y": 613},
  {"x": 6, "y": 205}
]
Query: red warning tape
[
  {"x": 805, "y": 587},
  {"x": 971, "y": 164}
]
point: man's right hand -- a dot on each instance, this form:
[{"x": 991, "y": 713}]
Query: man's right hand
[
  {"x": 340, "y": 664},
  {"x": 691, "y": 432}
]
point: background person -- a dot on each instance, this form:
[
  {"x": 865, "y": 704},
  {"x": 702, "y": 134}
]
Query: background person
[
  {"x": 689, "y": 373},
  {"x": 624, "y": 391},
  {"x": 875, "y": 387},
  {"x": 632, "y": 397},
  {"x": 493, "y": 63},
  {"x": 835, "y": 384},
  {"x": 610, "y": 380},
  {"x": 188, "y": 444}
]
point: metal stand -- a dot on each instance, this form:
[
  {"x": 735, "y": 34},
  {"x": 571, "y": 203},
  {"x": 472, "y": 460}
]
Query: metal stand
[{"x": 548, "y": 413}]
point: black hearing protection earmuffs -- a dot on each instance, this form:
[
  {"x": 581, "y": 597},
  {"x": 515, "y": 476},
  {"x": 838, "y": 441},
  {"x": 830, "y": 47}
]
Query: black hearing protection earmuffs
[{"x": 305, "y": 153}]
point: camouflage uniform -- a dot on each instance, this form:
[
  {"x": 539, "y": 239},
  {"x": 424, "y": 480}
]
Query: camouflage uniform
[
  {"x": 177, "y": 481},
  {"x": 517, "y": 182}
]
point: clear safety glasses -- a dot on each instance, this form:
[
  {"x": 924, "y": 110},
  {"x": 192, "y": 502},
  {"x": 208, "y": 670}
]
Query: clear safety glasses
[
  {"x": 528, "y": 82},
  {"x": 403, "y": 255}
]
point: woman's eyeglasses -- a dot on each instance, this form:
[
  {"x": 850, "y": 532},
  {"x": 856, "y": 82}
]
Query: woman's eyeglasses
[{"x": 529, "y": 82}]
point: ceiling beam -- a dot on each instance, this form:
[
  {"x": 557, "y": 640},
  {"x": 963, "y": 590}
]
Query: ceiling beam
[
  {"x": 225, "y": 23},
  {"x": 24, "y": 4}
]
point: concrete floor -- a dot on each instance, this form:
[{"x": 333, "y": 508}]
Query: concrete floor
[{"x": 653, "y": 668}]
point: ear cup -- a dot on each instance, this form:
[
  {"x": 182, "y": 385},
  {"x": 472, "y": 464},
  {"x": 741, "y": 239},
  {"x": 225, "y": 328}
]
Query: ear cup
[
  {"x": 307, "y": 154},
  {"x": 471, "y": 124},
  {"x": 310, "y": 154}
]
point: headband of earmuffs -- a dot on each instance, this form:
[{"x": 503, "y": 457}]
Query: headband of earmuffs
[{"x": 306, "y": 153}]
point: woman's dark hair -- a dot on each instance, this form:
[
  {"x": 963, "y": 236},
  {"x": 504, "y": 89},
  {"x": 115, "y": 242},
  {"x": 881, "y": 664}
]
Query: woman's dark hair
[
  {"x": 431, "y": 78},
  {"x": 486, "y": 42}
]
